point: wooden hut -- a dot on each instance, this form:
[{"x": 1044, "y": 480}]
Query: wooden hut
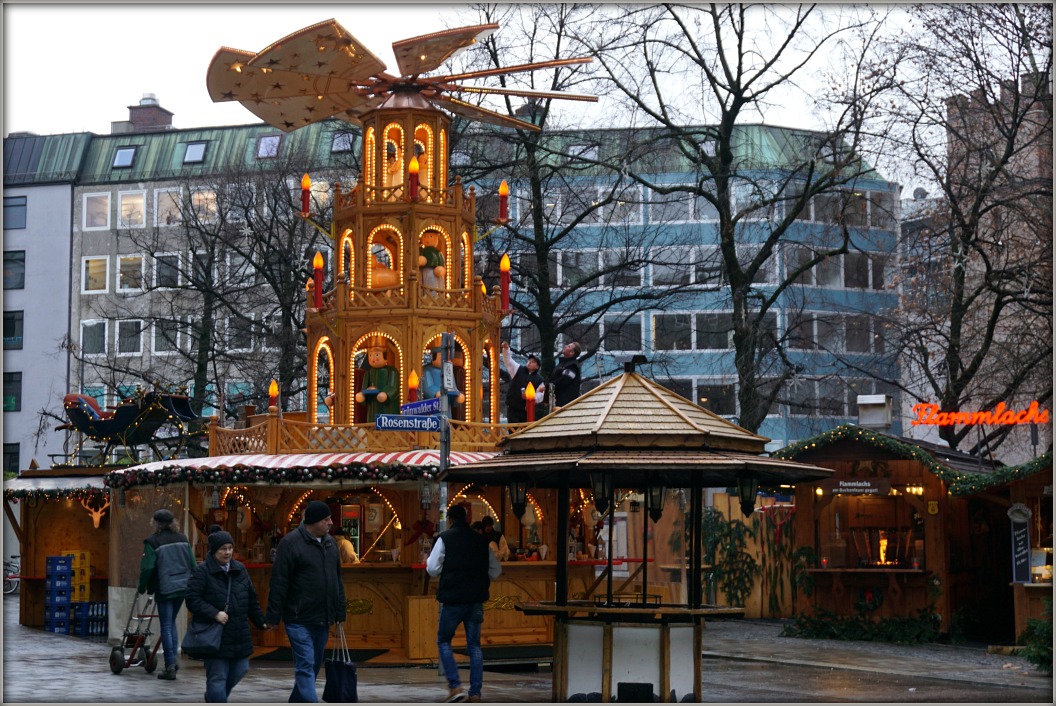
[{"x": 905, "y": 528}]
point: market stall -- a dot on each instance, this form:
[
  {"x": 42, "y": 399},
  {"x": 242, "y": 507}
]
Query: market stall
[{"x": 907, "y": 529}]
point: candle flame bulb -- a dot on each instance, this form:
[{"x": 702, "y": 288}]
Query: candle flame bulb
[
  {"x": 317, "y": 261},
  {"x": 412, "y": 380},
  {"x": 504, "y": 201},
  {"x": 273, "y": 388},
  {"x": 504, "y": 188},
  {"x": 504, "y": 282},
  {"x": 306, "y": 182},
  {"x": 413, "y": 166},
  {"x": 529, "y": 392},
  {"x": 504, "y": 264}
]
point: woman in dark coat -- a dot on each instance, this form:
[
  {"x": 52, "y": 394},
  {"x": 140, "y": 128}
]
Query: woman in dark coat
[{"x": 207, "y": 599}]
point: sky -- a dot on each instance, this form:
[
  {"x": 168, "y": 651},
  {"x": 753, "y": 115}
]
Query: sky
[{"x": 77, "y": 67}]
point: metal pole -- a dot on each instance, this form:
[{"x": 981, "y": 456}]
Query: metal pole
[
  {"x": 447, "y": 345},
  {"x": 561, "y": 590}
]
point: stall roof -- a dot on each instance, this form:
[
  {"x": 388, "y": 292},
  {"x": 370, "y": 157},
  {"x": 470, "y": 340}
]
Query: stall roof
[
  {"x": 420, "y": 457},
  {"x": 635, "y": 467},
  {"x": 53, "y": 483}
]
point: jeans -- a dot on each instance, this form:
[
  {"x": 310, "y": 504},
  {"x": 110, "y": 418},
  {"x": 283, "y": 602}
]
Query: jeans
[
  {"x": 167, "y": 610},
  {"x": 221, "y": 676},
  {"x": 308, "y": 644},
  {"x": 472, "y": 616}
]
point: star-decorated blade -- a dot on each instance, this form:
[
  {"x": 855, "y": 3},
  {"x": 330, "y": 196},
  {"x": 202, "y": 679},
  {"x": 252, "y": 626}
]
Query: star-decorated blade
[
  {"x": 323, "y": 49},
  {"x": 520, "y": 68},
  {"x": 475, "y": 112},
  {"x": 225, "y": 78},
  {"x": 419, "y": 55},
  {"x": 290, "y": 113}
]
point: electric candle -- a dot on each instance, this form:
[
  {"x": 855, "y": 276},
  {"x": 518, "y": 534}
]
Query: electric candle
[
  {"x": 412, "y": 179},
  {"x": 317, "y": 272},
  {"x": 529, "y": 402},
  {"x": 504, "y": 281},
  {"x": 504, "y": 201},
  {"x": 412, "y": 387},
  {"x": 273, "y": 393},
  {"x": 306, "y": 190}
]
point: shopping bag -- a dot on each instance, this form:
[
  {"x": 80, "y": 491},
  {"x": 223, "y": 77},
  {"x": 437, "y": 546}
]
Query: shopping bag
[
  {"x": 340, "y": 673},
  {"x": 202, "y": 639}
]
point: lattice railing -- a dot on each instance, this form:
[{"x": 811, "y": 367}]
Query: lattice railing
[
  {"x": 224, "y": 442},
  {"x": 387, "y": 297},
  {"x": 281, "y": 435},
  {"x": 445, "y": 298}
]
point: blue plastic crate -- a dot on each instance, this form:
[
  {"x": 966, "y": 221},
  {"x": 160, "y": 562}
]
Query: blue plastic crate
[
  {"x": 57, "y": 612},
  {"x": 59, "y": 626},
  {"x": 80, "y": 610},
  {"x": 57, "y": 596},
  {"x": 82, "y": 628},
  {"x": 58, "y": 563},
  {"x": 58, "y": 579}
]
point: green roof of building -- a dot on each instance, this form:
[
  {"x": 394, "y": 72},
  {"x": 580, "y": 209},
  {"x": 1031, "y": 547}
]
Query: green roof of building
[{"x": 44, "y": 159}]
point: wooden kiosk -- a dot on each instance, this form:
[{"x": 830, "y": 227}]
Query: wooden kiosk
[
  {"x": 905, "y": 528},
  {"x": 624, "y": 639}
]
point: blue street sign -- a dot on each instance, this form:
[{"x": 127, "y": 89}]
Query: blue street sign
[
  {"x": 429, "y": 406},
  {"x": 406, "y": 422}
]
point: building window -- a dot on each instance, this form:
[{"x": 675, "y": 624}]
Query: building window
[
  {"x": 124, "y": 157},
  {"x": 671, "y": 267},
  {"x": 577, "y": 267},
  {"x": 239, "y": 333},
  {"x": 14, "y": 269},
  {"x": 203, "y": 205},
  {"x": 96, "y": 211},
  {"x": 709, "y": 270},
  {"x": 272, "y": 328},
  {"x": 166, "y": 335},
  {"x": 881, "y": 209},
  {"x": 130, "y": 273},
  {"x": 342, "y": 142},
  {"x": 801, "y": 395},
  {"x": 268, "y": 146},
  {"x": 167, "y": 270},
  {"x": 715, "y": 331},
  {"x": 588, "y": 152},
  {"x": 93, "y": 337},
  {"x": 194, "y": 153},
  {"x": 680, "y": 386},
  {"x": 856, "y": 270},
  {"x": 14, "y": 212},
  {"x": 95, "y": 272},
  {"x": 676, "y": 207},
  {"x": 718, "y": 397},
  {"x": 672, "y": 332},
  {"x": 800, "y": 331},
  {"x": 829, "y": 271},
  {"x": 129, "y": 337},
  {"x": 132, "y": 208},
  {"x": 167, "y": 208},
  {"x": 12, "y": 392},
  {"x": 831, "y": 397},
  {"x": 240, "y": 269},
  {"x": 97, "y": 393},
  {"x": 858, "y": 337},
  {"x": 623, "y": 335},
  {"x": 12, "y": 463},
  {"x": 13, "y": 321},
  {"x": 878, "y": 262},
  {"x": 617, "y": 272}
]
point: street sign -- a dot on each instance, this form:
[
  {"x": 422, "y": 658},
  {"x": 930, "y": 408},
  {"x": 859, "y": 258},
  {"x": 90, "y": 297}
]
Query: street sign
[
  {"x": 449, "y": 376},
  {"x": 406, "y": 422},
  {"x": 429, "y": 406}
]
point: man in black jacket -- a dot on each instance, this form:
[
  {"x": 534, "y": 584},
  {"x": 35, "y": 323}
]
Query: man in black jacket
[
  {"x": 307, "y": 594},
  {"x": 466, "y": 567},
  {"x": 564, "y": 381}
]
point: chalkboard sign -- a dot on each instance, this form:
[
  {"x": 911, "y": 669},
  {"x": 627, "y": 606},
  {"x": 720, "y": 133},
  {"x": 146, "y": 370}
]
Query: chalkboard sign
[{"x": 1020, "y": 516}]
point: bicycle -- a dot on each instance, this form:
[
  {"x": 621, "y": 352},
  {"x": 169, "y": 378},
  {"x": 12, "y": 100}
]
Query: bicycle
[{"x": 12, "y": 572}]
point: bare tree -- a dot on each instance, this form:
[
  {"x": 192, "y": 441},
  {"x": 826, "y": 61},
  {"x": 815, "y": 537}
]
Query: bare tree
[
  {"x": 221, "y": 296},
  {"x": 974, "y": 119},
  {"x": 699, "y": 76}
]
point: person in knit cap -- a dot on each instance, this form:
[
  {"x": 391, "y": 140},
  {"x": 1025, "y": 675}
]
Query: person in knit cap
[
  {"x": 306, "y": 593},
  {"x": 220, "y": 590},
  {"x": 164, "y": 570}
]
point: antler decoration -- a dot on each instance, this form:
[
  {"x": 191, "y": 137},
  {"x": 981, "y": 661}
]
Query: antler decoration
[{"x": 96, "y": 513}]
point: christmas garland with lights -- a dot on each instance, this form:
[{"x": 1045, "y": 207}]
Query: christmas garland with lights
[
  {"x": 368, "y": 473},
  {"x": 35, "y": 494},
  {"x": 958, "y": 482}
]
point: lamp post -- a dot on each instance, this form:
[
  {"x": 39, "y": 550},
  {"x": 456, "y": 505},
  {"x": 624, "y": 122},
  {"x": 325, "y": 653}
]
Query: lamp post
[
  {"x": 656, "y": 494},
  {"x": 518, "y": 494},
  {"x": 601, "y": 486}
]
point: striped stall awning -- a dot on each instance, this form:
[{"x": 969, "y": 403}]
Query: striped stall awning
[{"x": 420, "y": 457}]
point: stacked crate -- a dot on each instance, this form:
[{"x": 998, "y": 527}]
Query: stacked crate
[
  {"x": 80, "y": 581},
  {"x": 57, "y": 596},
  {"x": 89, "y": 619}
]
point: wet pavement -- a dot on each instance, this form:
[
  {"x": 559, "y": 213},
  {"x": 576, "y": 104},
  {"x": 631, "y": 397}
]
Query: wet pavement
[{"x": 744, "y": 662}]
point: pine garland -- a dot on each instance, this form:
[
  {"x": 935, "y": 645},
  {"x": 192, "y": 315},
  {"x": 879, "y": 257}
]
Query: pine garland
[
  {"x": 958, "y": 482},
  {"x": 373, "y": 473}
]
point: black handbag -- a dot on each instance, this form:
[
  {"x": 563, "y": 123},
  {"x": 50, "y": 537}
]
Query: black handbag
[
  {"x": 340, "y": 673},
  {"x": 203, "y": 638}
]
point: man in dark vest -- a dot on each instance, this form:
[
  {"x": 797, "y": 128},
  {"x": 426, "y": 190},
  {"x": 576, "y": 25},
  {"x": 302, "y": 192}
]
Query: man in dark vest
[
  {"x": 520, "y": 376},
  {"x": 563, "y": 385},
  {"x": 466, "y": 567}
]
